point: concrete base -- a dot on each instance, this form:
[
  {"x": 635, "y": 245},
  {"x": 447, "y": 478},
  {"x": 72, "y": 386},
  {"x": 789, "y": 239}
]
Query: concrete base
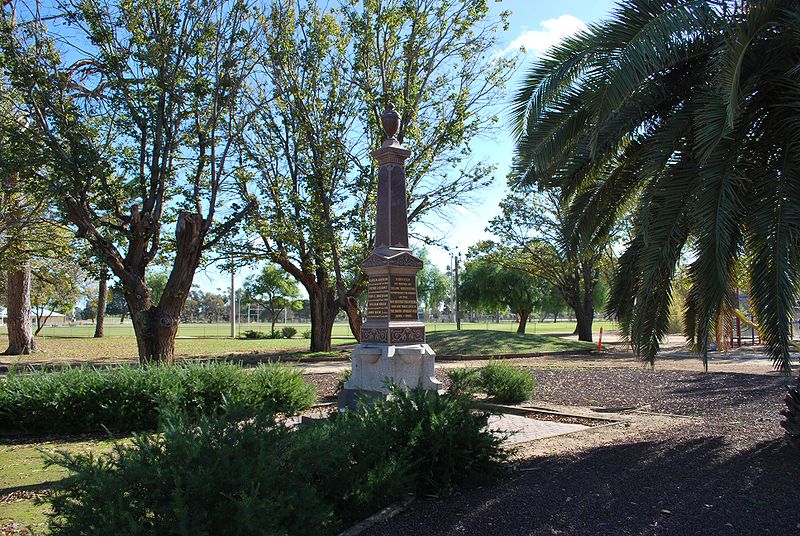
[{"x": 375, "y": 364}]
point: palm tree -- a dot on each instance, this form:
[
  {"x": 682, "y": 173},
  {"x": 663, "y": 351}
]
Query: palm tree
[{"x": 684, "y": 116}]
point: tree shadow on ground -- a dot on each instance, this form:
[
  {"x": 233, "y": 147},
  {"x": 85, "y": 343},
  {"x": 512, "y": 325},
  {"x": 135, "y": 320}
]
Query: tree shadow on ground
[
  {"x": 488, "y": 342},
  {"x": 677, "y": 486}
]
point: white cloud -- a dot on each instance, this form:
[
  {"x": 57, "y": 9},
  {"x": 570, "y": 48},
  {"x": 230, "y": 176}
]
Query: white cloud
[{"x": 553, "y": 30}]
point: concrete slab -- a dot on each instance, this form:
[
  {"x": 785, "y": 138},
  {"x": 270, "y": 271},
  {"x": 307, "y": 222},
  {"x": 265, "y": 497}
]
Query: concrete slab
[{"x": 523, "y": 429}]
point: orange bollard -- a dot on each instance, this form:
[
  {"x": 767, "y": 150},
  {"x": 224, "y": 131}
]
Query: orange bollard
[{"x": 600, "y": 340}]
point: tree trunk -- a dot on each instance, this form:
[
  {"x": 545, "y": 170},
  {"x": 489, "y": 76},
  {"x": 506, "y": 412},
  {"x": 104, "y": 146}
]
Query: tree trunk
[
  {"x": 155, "y": 336},
  {"x": 156, "y": 325},
  {"x": 523, "y": 321},
  {"x": 20, "y": 330},
  {"x": 272, "y": 317},
  {"x": 791, "y": 424},
  {"x": 584, "y": 327},
  {"x": 354, "y": 317},
  {"x": 323, "y": 314},
  {"x": 101, "y": 305}
]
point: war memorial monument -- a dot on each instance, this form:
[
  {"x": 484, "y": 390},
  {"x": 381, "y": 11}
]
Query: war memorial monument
[{"x": 392, "y": 348}]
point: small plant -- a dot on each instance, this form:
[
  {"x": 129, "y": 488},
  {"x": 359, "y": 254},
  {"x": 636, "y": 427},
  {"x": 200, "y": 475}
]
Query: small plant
[
  {"x": 306, "y": 334},
  {"x": 464, "y": 381},
  {"x": 507, "y": 384},
  {"x": 288, "y": 332},
  {"x": 252, "y": 334},
  {"x": 278, "y": 388},
  {"x": 344, "y": 376}
]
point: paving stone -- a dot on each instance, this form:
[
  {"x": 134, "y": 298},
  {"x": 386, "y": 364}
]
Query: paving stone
[{"x": 522, "y": 429}]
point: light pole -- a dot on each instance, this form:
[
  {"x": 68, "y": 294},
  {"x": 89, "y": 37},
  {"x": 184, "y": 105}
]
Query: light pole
[
  {"x": 233, "y": 299},
  {"x": 456, "y": 258}
]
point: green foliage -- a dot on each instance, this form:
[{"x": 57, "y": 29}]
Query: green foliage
[
  {"x": 278, "y": 388},
  {"x": 241, "y": 472},
  {"x": 288, "y": 332},
  {"x": 315, "y": 219},
  {"x": 274, "y": 289},
  {"x": 507, "y": 384},
  {"x": 156, "y": 283},
  {"x": 682, "y": 118},
  {"x": 434, "y": 287},
  {"x": 342, "y": 378},
  {"x": 501, "y": 381},
  {"x": 537, "y": 238},
  {"x": 107, "y": 152},
  {"x": 123, "y": 399},
  {"x": 306, "y": 334},
  {"x": 491, "y": 287},
  {"x": 464, "y": 381},
  {"x": 253, "y": 334}
]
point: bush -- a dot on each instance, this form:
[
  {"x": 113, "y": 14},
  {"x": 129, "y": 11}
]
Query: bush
[
  {"x": 278, "y": 388},
  {"x": 125, "y": 398},
  {"x": 240, "y": 472},
  {"x": 288, "y": 332},
  {"x": 252, "y": 334},
  {"x": 344, "y": 376},
  {"x": 464, "y": 381},
  {"x": 307, "y": 334},
  {"x": 507, "y": 384}
]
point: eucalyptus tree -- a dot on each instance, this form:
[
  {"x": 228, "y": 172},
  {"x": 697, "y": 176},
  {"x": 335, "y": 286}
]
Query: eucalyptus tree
[
  {"x": 135, "y": 106},
  {"x": 274, "y": 288},
  {"x": 536, "y": 237},
  {"x": 327, "y": 75},
  {"x": 688, "y": 113}
]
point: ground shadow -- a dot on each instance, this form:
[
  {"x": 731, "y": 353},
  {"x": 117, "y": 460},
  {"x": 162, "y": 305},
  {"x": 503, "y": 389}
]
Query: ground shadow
[{"x": 692, "y": 486}]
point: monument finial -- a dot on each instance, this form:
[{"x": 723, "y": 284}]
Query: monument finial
[{"x": 390, "y": 120}]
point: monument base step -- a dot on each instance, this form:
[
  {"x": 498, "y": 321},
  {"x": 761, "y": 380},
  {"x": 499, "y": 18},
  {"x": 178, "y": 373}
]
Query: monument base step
[{"x": 376, "y": 366}]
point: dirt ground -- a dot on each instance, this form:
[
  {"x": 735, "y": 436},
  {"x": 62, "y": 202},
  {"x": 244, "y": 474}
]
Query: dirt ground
[{"x": 702, "y": 454}]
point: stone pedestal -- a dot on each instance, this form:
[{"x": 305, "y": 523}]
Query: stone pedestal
[
  {"x": 392, "y": 337},
  {"x": 407, "y": 366}
]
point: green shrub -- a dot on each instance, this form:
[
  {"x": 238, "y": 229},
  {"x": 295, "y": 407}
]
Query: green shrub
[
  {"x": 230, "y": 473},
  {"x": 252, "y": 334},
  {"x": 344, "y": 376},
  {"x": 125, "y": 398},
  {"x": 507, "y": 384},
  {"x": 278, "y": 388},
  {"x": 464, "y": 381},
  {"x": 306, "y": 333},
  {"x": 240, "y": 472},
  {"x": 288, "y": 332}
]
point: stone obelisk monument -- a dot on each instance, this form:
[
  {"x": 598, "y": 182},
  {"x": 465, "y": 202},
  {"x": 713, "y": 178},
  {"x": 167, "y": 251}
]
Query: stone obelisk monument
[{"x": 392, "y": 338}]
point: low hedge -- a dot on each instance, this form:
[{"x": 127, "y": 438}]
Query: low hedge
[
  {"x": 240, "y": 472},
  {"x": 83, "y": 399}
]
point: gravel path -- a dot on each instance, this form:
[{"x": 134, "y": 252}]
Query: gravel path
[{"x": 726, "y": 473}]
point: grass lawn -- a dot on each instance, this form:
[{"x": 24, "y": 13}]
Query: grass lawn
[
  {"x": 75, "y": 344},
  {"x": 22, "y": 469},
  {"x": 488, "y": 342}
]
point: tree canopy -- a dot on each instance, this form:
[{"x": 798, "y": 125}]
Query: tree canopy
[
  {"x": 490, "y": 287},
  {"x": 685, "y": 113}
]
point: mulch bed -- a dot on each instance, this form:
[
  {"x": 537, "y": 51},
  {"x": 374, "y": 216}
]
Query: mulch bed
[{"x": 728, "y": 473}]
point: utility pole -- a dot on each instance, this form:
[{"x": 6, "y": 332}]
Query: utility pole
[
  {"x": 458, "y": 310},
  {"x": 233, "y": 299}
]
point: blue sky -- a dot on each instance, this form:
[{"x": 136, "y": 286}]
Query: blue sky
[{"x": 534, "y": 24}]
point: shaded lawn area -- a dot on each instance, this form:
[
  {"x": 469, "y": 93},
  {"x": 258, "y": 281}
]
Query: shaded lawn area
[
  {"x": 489, "y": 342},
  {"x": 23, "y": 475}
]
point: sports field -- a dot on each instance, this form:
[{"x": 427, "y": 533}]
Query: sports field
[{"x": 75, "y": 343}]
